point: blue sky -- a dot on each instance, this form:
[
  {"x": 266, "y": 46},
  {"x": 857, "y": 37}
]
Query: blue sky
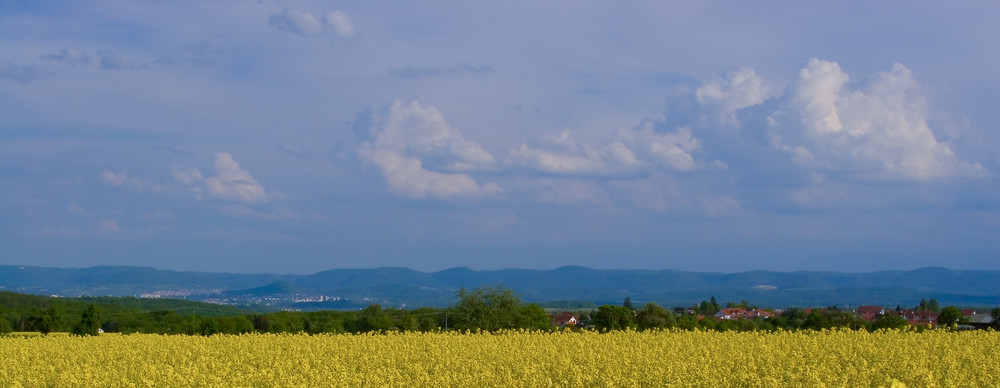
[{"x": 299, "y": 136}]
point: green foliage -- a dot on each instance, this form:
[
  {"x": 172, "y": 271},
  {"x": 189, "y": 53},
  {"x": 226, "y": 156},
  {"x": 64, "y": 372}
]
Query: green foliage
[
  {"x": 533, "y": 316},
  {"x": 792, "y": 318},
  {"x": 653, "y": 316},
  {"x": 826, "y": 319},
  {"x": 610, "y": 317},
  {"x": 374, "y": 318},
  {"x": 488, "y": 308},
  {"x": 709, "y": 307},
  {"x": 890, "y": 321},
  {"x": 90, "y": 322},
  {"x": 628, "y": 303},
  {"x": 950, "y": 316},
  {"x": 928, "y": 305},
  {"x": 48, "y": 320}
]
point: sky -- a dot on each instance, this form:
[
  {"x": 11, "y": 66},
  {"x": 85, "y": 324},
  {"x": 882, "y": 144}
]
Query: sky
[{"x": 301, "y": 136}]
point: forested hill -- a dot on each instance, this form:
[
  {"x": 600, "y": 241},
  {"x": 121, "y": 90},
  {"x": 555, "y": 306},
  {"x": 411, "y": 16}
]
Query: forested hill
[{"x": 399, "y": 287}]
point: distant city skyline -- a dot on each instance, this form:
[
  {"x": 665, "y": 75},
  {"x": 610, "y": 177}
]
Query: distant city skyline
[{"x": 300, "y": 136}]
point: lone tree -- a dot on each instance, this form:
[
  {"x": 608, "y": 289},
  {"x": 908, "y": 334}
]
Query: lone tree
[
  {"x": 90, "y": 322},
  {"x": 949, "y": 316},
  {"x": 653, "y": 316},
  {"x": 610, "y": 317},
  {"x": 47, "y": 321},
  {"x": 493, "y": 308}
]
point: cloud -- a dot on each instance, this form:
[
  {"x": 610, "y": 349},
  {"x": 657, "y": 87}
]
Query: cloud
[
  {"x": 306, "y": 23},
  {"x": 111, "y": 60},
  {"x": 428, "y": 71},
  {"x": 419, "y": 154},
  {"x": 878, "y": 131},
  {"x": 19, "y": 73},
  {"x": 633, "y": 153},
  {"x": 108, "y": 225},
  {"x": 113, "y": 178},
  {"x": 69, "y": 55},
  {"x": 121, "y": 178},
  {"x": 340, "y": 23},
  {"x": 230, "y": 182},
  {"x": 721, "y": 97}
]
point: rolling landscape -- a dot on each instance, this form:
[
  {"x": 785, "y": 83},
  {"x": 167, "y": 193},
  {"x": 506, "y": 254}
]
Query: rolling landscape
[
  {"x": 453, "y": 193},
  {"x": 564, "y": 286}
]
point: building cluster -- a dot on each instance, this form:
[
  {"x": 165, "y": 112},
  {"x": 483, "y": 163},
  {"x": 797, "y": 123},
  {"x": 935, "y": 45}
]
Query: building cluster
[{"x": 972, "y": 318}]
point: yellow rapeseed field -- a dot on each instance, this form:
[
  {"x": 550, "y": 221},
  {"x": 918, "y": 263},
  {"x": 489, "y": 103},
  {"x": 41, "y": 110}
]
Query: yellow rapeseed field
[{"x": 617, "y": 359}]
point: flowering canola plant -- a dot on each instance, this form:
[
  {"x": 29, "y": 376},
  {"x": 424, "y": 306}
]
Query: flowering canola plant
[{"x": 514, "y": 358}]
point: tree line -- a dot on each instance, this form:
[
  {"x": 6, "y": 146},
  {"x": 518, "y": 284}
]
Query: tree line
[{"x": 485, "y": 308}]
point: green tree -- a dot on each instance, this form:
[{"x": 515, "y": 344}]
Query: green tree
[
  {"x": 610, "y": 317},
  {"x": 533, "y": 316},
  {"x": 996, "y": 317},
  {"x": 791, "y": 318},
  {"x": 48, "y": 320},
  {"x": 890, "y": 321},
  {"x": 488, "y": 308},
  {"x": 90, "y": 322},
  {"x": 262, "y": 323},
  {"x": 5, "y": 325},
  {"x": 949, "y": 316},
  {"x": 374, "y": 318},
  {"x": 709, "y": 307},
  {"x": 653, "y": 316}
]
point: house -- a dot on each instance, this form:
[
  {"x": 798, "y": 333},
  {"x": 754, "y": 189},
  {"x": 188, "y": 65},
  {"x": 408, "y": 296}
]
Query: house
[
  {"x": 564, "y": 319},
  {"x": 980, "y": 321},
  {"x": 869, "y": 313},
  {"x": 741, "y": 313}
]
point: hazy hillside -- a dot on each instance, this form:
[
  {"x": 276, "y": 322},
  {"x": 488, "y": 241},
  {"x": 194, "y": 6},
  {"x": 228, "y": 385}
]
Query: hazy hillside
[{"x": 399, "y": 287}]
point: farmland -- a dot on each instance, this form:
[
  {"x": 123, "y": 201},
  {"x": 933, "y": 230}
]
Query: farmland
[{"x": 519, "y": 358}]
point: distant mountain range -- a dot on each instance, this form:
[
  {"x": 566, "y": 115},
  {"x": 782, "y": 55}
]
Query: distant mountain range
[{"x": 402, "y": 287}]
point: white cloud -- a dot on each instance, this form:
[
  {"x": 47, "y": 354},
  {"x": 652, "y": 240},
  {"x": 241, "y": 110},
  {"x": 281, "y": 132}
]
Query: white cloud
[
  {"x": 69, "y": 55},
  {"x": 420, "y": 154},
  {"x": 306, "y": 23},
  {"x": 111, "y": 60},
  {"x": 121, "y": 178},
  {"x": 878, "y": 131},
  {"x": 634, "y": 152},
  {"x": 113, "y": 178},
  {"x": 724, "y": 96},
  {"x": 230, "y": 182},
  {"x": 340, "y": 23}
]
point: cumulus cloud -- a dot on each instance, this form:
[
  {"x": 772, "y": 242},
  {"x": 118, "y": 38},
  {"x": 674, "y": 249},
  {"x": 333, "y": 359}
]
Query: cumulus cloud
[
  {"x": 113, "y": 178},
  {"x": 121, "y": 178},
  {"x": 877, "y": 131},
  {"x": 721, "y": 97},
  {"x": 69, "y": 55},
  {"x": 230, "y": 182},
  {"x": 306, "y": 23},
  {"x": 339, "y": 23},
  {"x": 634, "y": 152},
  {"x": 419, "y": 153}
]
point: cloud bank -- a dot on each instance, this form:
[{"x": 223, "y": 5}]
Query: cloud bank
[
  {"x": 820, "y": 125},
  {"x": 306, "y": 23}
]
